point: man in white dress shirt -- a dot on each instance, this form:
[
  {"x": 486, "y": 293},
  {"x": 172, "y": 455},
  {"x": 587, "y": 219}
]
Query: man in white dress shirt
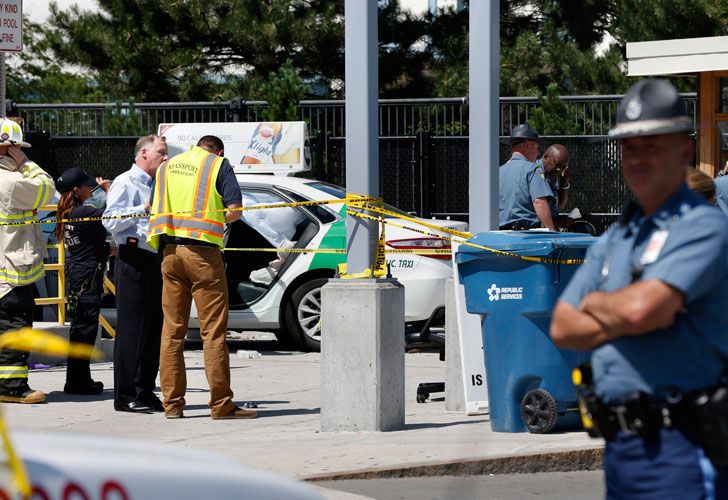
[{"x": 138, "y": 280}]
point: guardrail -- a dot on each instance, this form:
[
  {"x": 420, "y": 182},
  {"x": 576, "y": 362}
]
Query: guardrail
[{"x": 60, "y": 300}]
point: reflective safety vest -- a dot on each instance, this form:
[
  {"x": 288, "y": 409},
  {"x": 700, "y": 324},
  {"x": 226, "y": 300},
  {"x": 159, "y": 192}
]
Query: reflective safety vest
[
  {"x": 185, "y": 201},
  {"x": 22, "y": 246}
]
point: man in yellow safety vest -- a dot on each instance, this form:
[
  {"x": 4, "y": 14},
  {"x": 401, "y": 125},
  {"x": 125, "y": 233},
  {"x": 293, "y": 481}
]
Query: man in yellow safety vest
[
  {"x": 24, "y": 187},
  {"x": 193, "y": 195}
]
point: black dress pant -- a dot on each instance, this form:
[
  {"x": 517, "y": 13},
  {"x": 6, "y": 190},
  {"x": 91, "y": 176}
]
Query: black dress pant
[
  {"x": 89, "y": 277},
  {"x": 16, "y": 311},
  {"x": 139, "y": 317}
]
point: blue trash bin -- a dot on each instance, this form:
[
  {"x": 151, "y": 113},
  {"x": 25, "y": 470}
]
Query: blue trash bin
[{"x": 529, "y": 378}]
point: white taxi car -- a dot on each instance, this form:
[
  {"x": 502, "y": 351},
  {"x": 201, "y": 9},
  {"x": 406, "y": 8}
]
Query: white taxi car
[
  {"x": 286, "y": 297},
  {"x": 281, "y": 292}
]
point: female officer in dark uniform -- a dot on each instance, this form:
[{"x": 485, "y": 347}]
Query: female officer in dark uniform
[{"x": 86, "y": 255}]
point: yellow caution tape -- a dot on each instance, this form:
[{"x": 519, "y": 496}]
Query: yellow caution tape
[
  {"x": 287, "y": 250},
  {"x": 424, "y": 251},
  {"x": 30, "y": 340},
  {"x": 356, "y": 205},
  {"x": 384, "y": 211},
  {"x": 17, "y": 468},
  {"x": 190, "y": 213},
  {"x": 544, "y": 260}
]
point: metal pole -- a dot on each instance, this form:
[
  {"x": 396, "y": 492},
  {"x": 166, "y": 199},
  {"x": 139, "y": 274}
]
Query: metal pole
[
  {"x": 362, "y": 146},
  {"x": 484, "y": 112},
  {"x": 3, "y": 75}
]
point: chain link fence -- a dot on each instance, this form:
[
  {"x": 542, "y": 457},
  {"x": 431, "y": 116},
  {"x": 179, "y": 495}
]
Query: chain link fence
[{"x": 428, "y": 175}]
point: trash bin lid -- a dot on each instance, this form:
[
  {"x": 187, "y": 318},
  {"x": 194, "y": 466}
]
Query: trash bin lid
[{"x": 524, "y": 243}]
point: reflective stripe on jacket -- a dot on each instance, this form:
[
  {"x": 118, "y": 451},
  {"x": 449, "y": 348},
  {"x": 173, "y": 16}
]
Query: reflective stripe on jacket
[
  {"x": 185, "y": 200},
  {"x": 22, "y": 247},
  {"x": 13, "y": 372}
]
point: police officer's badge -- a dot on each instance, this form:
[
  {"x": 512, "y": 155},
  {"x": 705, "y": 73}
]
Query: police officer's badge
[{"x": 633, "y": 110}]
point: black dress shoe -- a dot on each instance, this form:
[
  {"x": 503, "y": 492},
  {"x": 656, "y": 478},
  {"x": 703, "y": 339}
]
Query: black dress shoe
[
  {"x": 133, "y": 407},
  {"x": 153, "y": 402},
  {"x": 87, "y": 389}
]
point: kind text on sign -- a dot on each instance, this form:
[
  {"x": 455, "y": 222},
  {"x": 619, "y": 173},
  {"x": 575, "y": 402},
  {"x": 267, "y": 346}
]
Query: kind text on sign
[{"x": 11, "y": 25}]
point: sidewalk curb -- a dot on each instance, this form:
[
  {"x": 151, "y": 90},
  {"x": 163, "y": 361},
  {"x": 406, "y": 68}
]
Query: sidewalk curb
[{"x": 564, "y": 461}]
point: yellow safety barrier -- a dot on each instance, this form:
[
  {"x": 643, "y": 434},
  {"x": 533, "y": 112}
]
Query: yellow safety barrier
[{"x": 60, "y": 300}]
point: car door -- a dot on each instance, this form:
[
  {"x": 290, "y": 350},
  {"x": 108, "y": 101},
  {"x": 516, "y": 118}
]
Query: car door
[{"x": 251, "y": 275}]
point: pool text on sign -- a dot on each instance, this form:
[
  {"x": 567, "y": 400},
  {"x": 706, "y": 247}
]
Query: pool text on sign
[{"x": 11, "y": 25}]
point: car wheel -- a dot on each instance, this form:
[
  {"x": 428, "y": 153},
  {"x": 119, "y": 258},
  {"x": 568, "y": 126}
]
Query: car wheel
[{"x": 303, "y": 314}]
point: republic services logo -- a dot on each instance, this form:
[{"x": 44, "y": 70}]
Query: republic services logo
[{"x": 505, "y": 292}]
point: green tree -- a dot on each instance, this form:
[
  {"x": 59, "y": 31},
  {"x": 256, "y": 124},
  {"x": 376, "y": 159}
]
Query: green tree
[
  {"x": 168, "y": 50},
  {"x": 541, "y": 42},
  {"x": 283, "y": 91},
  {"x": 35, "y": 75},
  {"x": 162, "y": 50},
  {"x": 552, "y": 116},
  {"x": 123, "y": 121}
]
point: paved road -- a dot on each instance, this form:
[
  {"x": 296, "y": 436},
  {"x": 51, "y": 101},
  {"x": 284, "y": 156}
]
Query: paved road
[{"x": 549, "y": 486}]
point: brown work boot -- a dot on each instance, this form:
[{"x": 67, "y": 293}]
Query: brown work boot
[
  {"x": 237, "y": 413},
  {"x": 174, "y": 413},
  {"x": 28, "y": 397}
]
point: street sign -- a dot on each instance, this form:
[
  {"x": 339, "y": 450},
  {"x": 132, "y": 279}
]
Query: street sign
[{"x": 11, "y": 25}]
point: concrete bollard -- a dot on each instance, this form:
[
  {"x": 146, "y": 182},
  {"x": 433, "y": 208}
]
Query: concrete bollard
[
  {"x": 362, "y": 355},
  {"x": 454, "y": 390}
]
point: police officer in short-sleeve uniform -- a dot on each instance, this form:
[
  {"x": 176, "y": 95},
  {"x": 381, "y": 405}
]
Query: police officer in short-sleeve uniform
[
  {"x": 651, "y": 303},
  {"x": 524, "y": 192}
]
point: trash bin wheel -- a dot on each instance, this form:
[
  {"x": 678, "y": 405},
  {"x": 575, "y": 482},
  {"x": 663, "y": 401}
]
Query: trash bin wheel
[
  {"x": 538, "y": 411},
  {"x": 421, "y": 398}
]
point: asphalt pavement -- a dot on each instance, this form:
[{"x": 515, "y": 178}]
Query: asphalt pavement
[
  {"x": 585, "y": 485},
  {"x": 286, "y": 437}
]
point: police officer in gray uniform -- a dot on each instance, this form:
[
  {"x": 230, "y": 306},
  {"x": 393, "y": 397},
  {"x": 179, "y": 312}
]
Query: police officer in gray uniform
[
  {"x": 524, "y": 193},
  {"x": 650, "y": 300}
]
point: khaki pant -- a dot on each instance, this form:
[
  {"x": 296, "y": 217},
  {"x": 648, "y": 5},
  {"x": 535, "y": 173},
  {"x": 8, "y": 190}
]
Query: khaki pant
[{"x": 195, "y": 272}]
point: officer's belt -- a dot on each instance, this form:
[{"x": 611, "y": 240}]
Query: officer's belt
[
  {"x": 518, "y": 225},
  {"x": 644, "y": 417}
]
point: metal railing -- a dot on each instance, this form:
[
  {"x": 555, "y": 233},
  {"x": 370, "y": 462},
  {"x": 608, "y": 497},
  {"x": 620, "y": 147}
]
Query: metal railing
[{"x": 590, "y": 115}]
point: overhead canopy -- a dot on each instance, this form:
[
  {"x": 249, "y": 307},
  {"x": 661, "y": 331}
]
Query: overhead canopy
[{"x": 671, "y": 57}]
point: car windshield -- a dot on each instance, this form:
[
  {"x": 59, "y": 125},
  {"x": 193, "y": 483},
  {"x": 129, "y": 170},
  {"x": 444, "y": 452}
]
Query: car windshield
[{"x": 340, "y": 192}]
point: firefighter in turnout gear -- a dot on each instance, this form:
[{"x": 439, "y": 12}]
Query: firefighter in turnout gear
[{"x": 24, "y": 187}]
